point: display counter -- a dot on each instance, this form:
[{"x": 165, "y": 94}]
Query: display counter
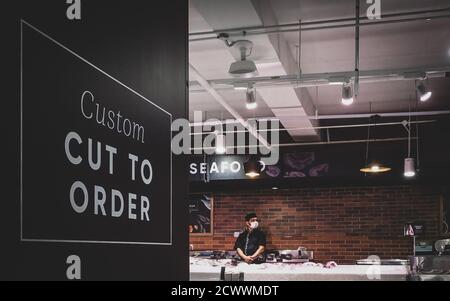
[{"x": 210, "y": 270}]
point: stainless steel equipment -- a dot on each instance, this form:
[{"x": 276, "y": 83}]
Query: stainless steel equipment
[
  {"x": 442, "y": 246},
  {"x": 285, "y": 256},
  {"x": 430, "y": 268},
  {"x": 292, "y": 256}
]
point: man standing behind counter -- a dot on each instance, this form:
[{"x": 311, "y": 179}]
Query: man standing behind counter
[{"x": 251, "y": 244}]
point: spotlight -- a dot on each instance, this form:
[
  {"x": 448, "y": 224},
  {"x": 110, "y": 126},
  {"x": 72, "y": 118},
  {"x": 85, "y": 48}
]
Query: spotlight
[
  {"x": 251, "y": 103},
  {"x": 410, "y": 170},
  {"x": 423, "y": 92},
  {"x": 347, "y": 94},
  {"x": 220, "y": 144}
]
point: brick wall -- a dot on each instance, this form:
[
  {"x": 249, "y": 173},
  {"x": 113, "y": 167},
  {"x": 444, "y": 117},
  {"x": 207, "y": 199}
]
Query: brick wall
[{"x": 341, "y": 224}]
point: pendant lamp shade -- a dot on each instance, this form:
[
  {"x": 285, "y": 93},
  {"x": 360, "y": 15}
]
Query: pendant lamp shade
[{"x": 372, "y": 165}]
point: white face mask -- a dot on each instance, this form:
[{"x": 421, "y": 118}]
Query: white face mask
[{"x": 254, "y": 225}]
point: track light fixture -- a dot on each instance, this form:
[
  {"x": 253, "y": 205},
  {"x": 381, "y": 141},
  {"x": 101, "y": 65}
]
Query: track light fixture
[
  {"x": 347, "y": 94},
  {"x": 250, "y": 102},
  {"x": 220, "y": 144},
  {"x": 423, "y": 92}
]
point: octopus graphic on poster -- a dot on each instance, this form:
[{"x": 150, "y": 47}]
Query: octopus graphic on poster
[
  {"x": 299, "y": 165},
  {"x": 200, "y": 214}
]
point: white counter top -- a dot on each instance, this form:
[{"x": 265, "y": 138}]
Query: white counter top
[{"x": 209, "y": 270}]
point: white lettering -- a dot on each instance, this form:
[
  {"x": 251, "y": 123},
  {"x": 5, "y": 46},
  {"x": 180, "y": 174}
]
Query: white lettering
[
  {"x": 99, "y": 201},
  {"x": 235, "y": 167},
  {"x": 82, "y": 104},
  {"x": 96, "y": 165},
  {"x": 193, "y": 168},
  {"x": 133, "y": 159},
  {"x": 112, "y": 151},
  {"x": 131, "y": 206},
  {"x": 114, "y": 195},
  {"x": 72, "y": 136},
  {"x": 144, "y": 164},
  {"x": 75, "y": 186},
  {"x": 145, "y": 207},
  {"x": 203, "y": 167},
  {"x": 214, "y": 168}
]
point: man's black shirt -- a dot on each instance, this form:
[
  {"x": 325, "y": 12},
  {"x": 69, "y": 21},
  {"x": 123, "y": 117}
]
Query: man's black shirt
[{"x": 249, "y": 242}]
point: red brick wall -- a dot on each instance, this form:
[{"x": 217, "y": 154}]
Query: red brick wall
[{"x": 341, "y": 224}]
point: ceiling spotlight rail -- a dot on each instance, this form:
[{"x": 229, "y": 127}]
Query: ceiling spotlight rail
[
  {"x": 331, "y": 142},
  {"x": 344, "y": 25},
  {"x": 367, "y": 115},
  {"x": 319, "y": 127},
  {"x": 318, "y": 25},
  {"x": 329, "y": 117},
  {"x": 333, "y": 78}
]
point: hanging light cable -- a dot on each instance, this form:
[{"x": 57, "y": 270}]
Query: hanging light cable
[{"x": 409, "y": 168}]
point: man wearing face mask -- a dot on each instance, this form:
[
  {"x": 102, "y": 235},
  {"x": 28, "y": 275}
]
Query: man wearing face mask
[{"x": 251, "y": 244}]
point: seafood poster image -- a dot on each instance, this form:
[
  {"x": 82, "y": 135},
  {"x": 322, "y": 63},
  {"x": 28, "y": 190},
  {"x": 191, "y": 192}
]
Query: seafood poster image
[{"x": 200, "y": 214}]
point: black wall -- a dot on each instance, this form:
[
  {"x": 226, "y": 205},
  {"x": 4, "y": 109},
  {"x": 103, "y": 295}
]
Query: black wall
[{"x": 144, "y": 45}]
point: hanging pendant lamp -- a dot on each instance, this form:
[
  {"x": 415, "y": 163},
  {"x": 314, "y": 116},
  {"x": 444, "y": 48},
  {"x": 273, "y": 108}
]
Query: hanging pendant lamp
[
  {"x": 409, "y": 170},
  {"x": 253, "y": 167},
  {"x": 372, "y": 165}
]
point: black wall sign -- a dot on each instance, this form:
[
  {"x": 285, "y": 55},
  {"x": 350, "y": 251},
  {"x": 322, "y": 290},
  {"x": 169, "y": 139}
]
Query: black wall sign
[
  {"x": 292, "y": 164},
  {"x": 107, "y": 148},
  {"x": 89, "y": 106}
]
